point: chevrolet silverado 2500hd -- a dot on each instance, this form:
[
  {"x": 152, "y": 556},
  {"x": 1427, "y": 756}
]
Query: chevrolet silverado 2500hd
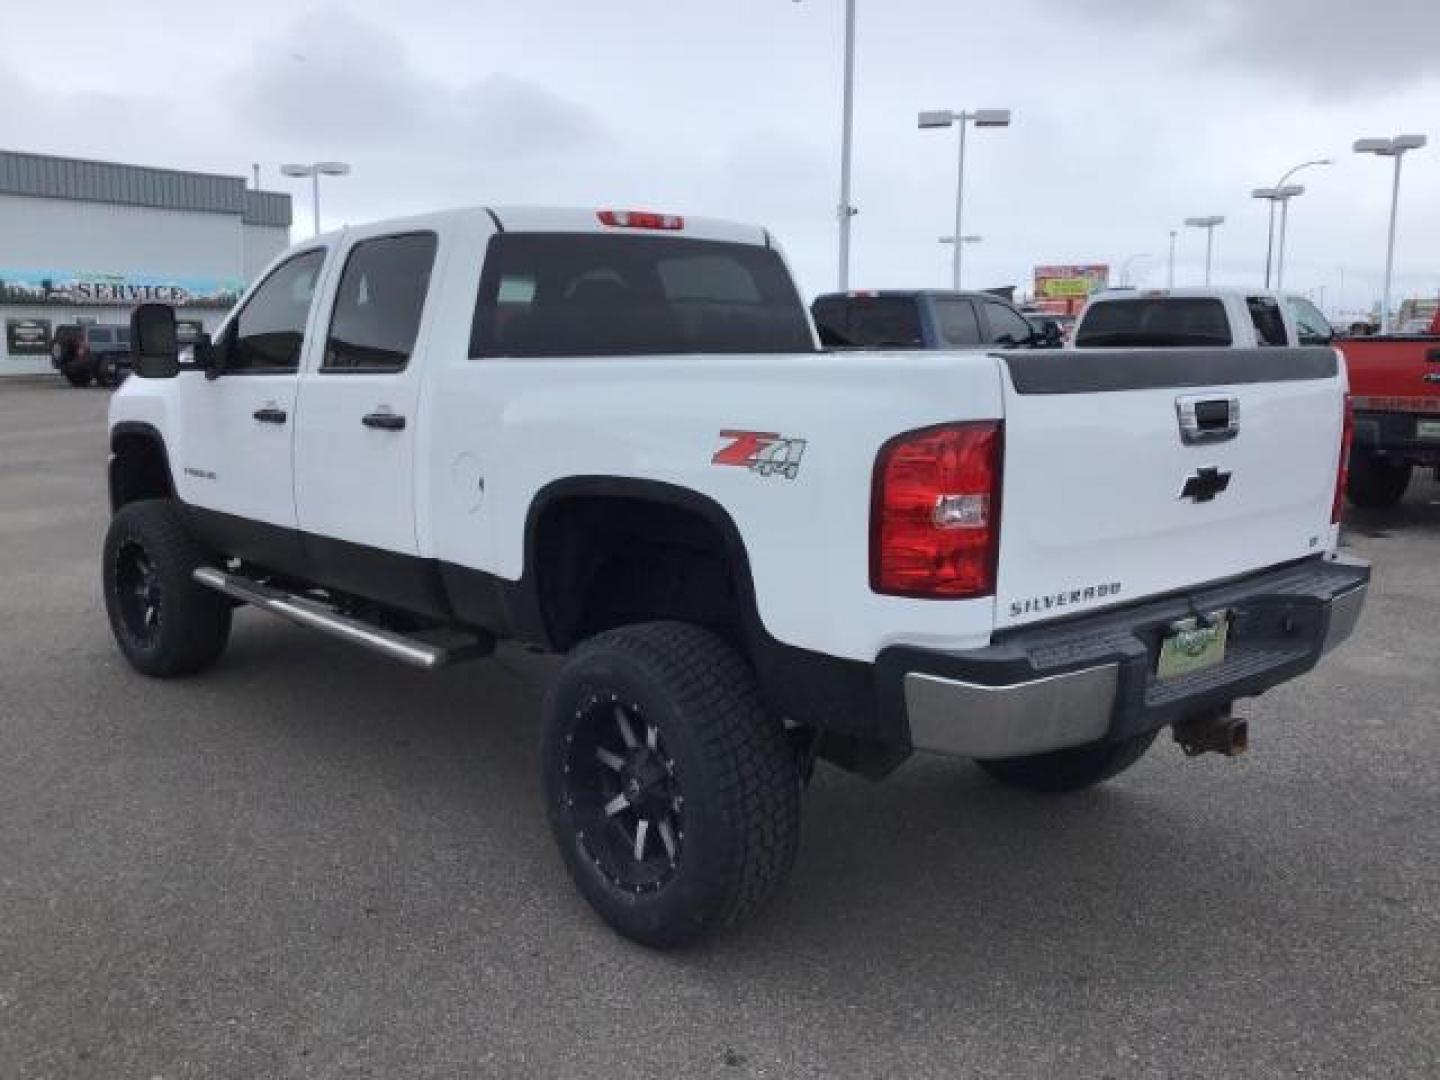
[{"x": 613, "y": 434}]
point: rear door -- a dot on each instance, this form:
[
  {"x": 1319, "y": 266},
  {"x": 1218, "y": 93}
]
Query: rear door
[
  {"x": 1130, "y": 474},
  {"x": 359, "y": 419}
]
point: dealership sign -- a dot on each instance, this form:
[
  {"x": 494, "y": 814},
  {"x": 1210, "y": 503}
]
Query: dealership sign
[
  {"x": 1065, "y": 282},
  {"x": 115, "y": 290}
]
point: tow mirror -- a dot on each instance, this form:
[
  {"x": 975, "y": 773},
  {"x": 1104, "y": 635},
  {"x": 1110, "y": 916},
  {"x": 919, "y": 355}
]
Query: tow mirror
[
  {"x": 1050, "y": 336},
  {"x": 154, "y": 342}
]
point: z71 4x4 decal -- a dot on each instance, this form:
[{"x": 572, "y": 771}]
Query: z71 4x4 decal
[{"x": 763, "y": 452}]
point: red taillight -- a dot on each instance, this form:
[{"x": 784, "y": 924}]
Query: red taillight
[
  {"x": 640, "y": 219},
  {"x": 935, "y": 512},
  {"x": 1342, "y": 473}
]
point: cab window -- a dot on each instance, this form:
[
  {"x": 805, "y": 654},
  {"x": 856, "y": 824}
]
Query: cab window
[
  {"x": 268, "y": 332},
  {"x": 1007, "y": 326},
  {"x": 958, "y": 322},
  {"x": 1269, "y": 323},
  {"x": 379, "y": 303},
  {"x": 1311, "y": 326}
]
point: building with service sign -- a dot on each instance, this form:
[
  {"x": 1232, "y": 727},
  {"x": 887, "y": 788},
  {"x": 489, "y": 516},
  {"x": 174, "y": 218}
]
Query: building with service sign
[{"x": 85, "y": 241}]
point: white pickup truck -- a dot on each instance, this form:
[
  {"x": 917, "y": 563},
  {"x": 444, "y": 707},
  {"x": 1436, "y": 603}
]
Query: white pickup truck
[
  {"x": 612, "y": 434},
  {"x": 1199, "y": 317}
]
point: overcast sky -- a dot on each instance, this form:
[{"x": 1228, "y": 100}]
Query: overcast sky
[{"x": 1129, "y": 116}]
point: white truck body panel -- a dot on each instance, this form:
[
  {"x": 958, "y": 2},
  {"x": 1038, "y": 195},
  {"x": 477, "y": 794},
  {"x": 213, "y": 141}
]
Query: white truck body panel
[{"x": 1092, "y": 495}]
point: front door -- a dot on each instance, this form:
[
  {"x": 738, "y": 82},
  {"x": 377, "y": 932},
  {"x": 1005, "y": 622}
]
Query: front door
[
  {"x": 358, "y": 417},
  {"x": 236, "y": 440}
]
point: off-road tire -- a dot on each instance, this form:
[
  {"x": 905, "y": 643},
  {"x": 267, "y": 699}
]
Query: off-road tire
[
  {"x": 1375, "y": 482},
  {"x": 76, "y": 376},
  {"x": 192, "y": 623},
  {"x": 730, "y": 760},
  {"x": 1073, "y": 769}
]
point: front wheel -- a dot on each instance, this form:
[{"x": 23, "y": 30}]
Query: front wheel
[
  {"x": 673, "y": 795},
  {"x": 1072, "y": 769},
  {"x": 164, "y": 622},
  {"x": 1376, "y": 482},
  {"x": 76, "y": 376}
]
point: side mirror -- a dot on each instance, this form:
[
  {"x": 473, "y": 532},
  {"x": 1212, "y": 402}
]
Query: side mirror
[
  {"x": 154, "y": 343},
  {"x": 1050, "y": 335}
]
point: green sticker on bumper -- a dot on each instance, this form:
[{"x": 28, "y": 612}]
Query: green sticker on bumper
[{"x": 1191, "y": 647}]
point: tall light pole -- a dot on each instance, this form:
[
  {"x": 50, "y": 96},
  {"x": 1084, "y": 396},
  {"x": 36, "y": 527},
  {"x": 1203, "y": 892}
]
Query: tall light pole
[
  {"x": 315, "y": 171},
  {"x": 1125, "y": 266},
  {"x": 944, "y": 118},
  {"x": 1281, "y": 195},
  {"x": 1395, "y": 148},
  {"x": 1208, "y": 224},
  {"x": 1273, "y": 197},
  {"x": 970, "y": 238},
  {"x": 1170, "y": 266}
]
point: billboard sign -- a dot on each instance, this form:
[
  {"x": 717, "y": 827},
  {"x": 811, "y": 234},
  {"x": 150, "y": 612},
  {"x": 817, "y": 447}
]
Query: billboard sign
[
  {"x": 115, "y": 290},
  {"x": 1070, "y": 282}
]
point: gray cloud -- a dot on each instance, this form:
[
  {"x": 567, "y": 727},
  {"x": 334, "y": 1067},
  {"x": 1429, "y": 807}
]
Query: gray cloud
[
  {"x": 1328, "y": 48},
  {"x": 332, "y": 78}
]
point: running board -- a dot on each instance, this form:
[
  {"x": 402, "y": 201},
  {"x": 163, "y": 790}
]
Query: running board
[{"x": 414, "y": 651}]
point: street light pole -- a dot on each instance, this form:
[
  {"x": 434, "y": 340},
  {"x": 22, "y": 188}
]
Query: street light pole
[
  {"x": 1170, "y": 266},
  {"x": 1278, "y": 194},
  {"x": 1395, "y": 148},
  {"x": 958, "y": 262},
  {"x": 314, "y": 171},
  {"x": 847, "y": 125},
  {"x": 1125, "y": 266},
  {"x": 1208, "y": 224},
  {"x": 944, "y": 118}
]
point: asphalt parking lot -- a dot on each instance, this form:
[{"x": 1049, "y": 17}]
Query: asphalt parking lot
[{"x": 309, "y": 862}]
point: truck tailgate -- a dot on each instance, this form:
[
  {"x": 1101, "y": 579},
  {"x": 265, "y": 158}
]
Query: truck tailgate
[{"x": 1107, "y": 497}]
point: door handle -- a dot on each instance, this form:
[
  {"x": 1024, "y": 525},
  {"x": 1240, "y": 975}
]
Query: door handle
[
  {"x": 270, "y": 415},
  {"x": 384, "y": 421}
]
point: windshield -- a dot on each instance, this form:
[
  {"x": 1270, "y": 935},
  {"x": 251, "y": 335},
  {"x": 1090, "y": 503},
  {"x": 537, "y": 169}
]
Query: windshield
[
  {"x": 563, "y": 294},
  {"x": 1154, "y": 322}
]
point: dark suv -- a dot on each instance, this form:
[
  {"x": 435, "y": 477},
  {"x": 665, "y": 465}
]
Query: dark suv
[
  {"x": 88, "y": 352},
  {"x": 924, "y": 319}
]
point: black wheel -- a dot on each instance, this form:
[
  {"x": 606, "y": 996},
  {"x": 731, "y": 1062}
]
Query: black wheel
[
  {"x": 673, "y": 795},
  {"x": 77, "y": 376},
  {"x": 1376, "y": 482},
  {"x": 1069, "y": 770},
  {"x": 163, "y": 621}
]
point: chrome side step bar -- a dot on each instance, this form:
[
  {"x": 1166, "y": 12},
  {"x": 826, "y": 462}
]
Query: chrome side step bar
[{"x": 414, "y": 651}]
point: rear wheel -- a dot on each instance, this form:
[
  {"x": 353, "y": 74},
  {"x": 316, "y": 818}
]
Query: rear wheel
[
  {"x": 673, "y": 795},
  {"x": 77, "y": 376},
  {"x": 1073, "y": 769},
  {"x": 163, "y": 621},
  {"x": 1376, "y": 482}
]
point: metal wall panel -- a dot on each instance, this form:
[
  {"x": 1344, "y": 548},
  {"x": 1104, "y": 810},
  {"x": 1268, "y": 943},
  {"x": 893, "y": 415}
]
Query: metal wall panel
[{"x": 42, "y": 176}]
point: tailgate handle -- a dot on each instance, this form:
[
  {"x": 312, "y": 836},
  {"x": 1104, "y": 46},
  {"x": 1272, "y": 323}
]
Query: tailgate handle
[{"x": 1206, "y": 419}]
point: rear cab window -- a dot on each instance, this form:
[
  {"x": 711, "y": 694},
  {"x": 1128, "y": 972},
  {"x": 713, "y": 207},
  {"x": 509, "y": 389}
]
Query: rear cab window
[
  {"x": 1154, "y": 321},
  {"x": 595, "y": 294},
  {"x": 870, "y": 322}
]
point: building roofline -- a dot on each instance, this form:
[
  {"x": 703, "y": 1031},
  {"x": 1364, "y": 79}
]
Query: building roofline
[{"x": 88, "y": 180}]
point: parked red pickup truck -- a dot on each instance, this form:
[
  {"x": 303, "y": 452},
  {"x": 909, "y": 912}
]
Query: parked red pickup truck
[{"x": 1395, "y": 390}]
